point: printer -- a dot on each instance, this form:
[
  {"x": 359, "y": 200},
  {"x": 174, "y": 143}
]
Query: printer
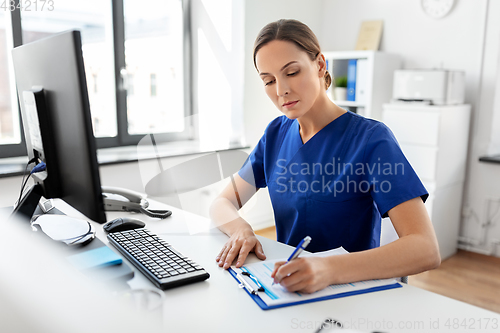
[{"x": 429, "y": 86}]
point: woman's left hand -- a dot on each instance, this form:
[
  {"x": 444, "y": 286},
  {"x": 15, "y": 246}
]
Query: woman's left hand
[{"x": 307, "y": 275}]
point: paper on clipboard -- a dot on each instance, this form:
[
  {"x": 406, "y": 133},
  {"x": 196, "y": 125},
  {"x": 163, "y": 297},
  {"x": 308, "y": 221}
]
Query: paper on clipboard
[{"x": 277, "y": 296}]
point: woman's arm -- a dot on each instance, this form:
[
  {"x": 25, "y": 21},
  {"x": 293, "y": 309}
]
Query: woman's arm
[
  {"x": 415, "y": 251},
  {"x": 224, "y": 213}
]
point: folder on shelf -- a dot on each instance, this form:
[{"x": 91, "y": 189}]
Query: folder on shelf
[
  {"x": 361, "y": 80},
  {"x": 351, "y": 80},
  {"x": 256, "y": 280}
]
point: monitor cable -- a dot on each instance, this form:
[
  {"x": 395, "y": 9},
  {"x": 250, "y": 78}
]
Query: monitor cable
[{"x": 23, "y": 181}]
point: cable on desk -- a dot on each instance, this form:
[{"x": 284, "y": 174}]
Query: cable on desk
[{"x": 161, "y": 214}]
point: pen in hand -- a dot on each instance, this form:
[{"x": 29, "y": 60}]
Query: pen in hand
[{"x": 298, "y": 250}]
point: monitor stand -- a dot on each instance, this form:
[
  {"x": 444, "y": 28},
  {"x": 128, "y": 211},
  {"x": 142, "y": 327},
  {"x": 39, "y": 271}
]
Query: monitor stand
[{"x": 28, "y": 204}]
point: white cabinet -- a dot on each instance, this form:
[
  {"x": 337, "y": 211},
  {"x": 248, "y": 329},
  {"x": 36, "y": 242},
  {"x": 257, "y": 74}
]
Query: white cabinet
[
  {"x": 434, "y": 139},
  {"x": 375, "y": 75}
]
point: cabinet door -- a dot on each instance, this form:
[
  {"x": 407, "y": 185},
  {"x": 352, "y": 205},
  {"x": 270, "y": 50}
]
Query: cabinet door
[
  {"x": 423, "y": 159},
  {"x": 445, "y": 217},
  {"x": 414, "y": 127}
]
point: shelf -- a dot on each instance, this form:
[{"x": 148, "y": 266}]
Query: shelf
[
  {"x": 373, "y": 82},
  {"x": 350, "y": 103},
  {"x": 339, "y": 55}
]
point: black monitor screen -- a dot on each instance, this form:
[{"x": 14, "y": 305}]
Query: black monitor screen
[{"x": 53, "y": 68}]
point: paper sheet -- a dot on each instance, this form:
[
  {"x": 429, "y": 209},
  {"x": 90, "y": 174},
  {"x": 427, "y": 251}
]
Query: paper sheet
[{"x": 275, "y": 295}]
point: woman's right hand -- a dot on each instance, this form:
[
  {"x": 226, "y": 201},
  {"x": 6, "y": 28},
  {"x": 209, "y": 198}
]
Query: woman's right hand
[{"x": 240, "y": 244}]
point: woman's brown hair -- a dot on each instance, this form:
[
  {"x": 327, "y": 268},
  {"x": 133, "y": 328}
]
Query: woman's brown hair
[{"x": 291, "y": 31}]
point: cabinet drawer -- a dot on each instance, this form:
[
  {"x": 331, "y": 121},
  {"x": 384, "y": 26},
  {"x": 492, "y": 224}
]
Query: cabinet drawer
[
  {"x": 414, "y": 127},
  {"x": 423, "y": 160}
]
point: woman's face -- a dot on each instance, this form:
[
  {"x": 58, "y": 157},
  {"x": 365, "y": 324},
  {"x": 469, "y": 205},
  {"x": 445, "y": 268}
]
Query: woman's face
[{"x": 291, "y": 79}]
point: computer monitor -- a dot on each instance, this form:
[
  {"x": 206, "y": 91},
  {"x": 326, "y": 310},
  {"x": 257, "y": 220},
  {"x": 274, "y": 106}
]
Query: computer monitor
[{"x": 52, "y": 90}]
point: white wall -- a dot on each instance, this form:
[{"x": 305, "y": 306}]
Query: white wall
[
  {"x": 259, "y": 110},
  {"x": 454, "y": 42},
  {"x": 481, "y": 221},
  {"x": 467, "y": 39}
]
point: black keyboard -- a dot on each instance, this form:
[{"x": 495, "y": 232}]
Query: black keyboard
[{"x": 155, "y": 258}]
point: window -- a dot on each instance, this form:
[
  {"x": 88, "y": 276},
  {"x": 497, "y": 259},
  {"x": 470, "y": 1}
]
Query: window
[
  {"x": 218, "y": 48},
  {"x": 93, "y": 19},
  {"x": 9, "y": 116},
  {"x": 152, "y": 85},
  {"x": 154, "y": 54},
  {"x": 130, "y": 85},
  {"x": 162, "y": 67},
  {"x": 94, "y": 82}
]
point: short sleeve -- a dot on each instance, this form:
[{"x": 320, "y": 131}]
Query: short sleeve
[
  {"x": 252, "y": 170},
  {"x": 392, "y": 178}
]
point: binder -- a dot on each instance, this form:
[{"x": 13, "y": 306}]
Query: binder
[
  {"x": 258, "y": 294},
  {"x": 351, "y": 80},
  {"x": 361, "y": 80}
]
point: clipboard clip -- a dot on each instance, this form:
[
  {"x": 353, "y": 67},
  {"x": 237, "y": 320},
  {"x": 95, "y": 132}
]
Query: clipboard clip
[{"x": 249, "y": 282}]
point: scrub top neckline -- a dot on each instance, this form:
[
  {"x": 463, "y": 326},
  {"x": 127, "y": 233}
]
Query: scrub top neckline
[{"x": 301, "y": 142}]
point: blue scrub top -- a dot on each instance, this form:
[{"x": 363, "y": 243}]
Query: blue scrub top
[{"x": 337, "y": 185}]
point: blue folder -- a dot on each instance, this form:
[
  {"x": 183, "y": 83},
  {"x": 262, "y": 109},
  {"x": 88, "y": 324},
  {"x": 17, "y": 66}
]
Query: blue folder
[
  {"x": 351, "y": 80},
  {"x": 264, "y": 306}
]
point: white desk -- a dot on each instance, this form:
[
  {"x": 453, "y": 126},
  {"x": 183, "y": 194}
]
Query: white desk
[{"x": 218, "y": 305}]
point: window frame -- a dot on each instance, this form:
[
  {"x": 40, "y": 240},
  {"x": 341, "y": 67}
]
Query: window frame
[
  {"x": 123, "y": 138},
  {"x": 15, "y": 149}
]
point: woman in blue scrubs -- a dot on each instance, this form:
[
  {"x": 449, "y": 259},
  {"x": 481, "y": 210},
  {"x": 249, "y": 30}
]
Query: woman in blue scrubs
[{"x": 331, "y": 175}]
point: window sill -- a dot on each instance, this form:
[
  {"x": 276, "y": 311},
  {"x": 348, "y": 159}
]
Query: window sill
[{"x": 14, "y": 166}]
